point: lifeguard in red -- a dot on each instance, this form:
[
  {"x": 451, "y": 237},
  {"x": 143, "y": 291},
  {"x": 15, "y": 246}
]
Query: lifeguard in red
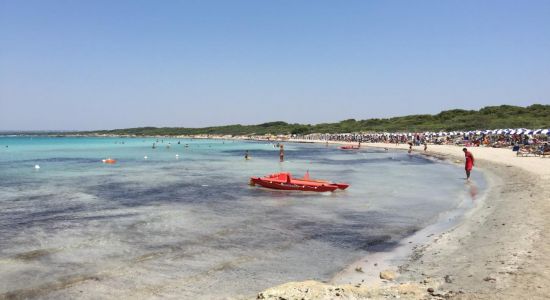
[{"x": 469, "y": 162}]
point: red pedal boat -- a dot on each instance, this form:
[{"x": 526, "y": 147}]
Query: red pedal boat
[
  {"x": 349, "y": 147},
  {"x": 284, "y": 181}
]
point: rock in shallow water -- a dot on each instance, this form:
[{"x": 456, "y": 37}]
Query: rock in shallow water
[{"x": 387, "y": 275}]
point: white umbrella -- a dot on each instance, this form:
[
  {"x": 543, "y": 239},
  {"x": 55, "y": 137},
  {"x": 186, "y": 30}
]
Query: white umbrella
[
  {"x": 500, "y": 131},
  {"x": 537, "y": 131},
  {"x": 519, "y": 131},
  {"x": 545, "y": 131}
]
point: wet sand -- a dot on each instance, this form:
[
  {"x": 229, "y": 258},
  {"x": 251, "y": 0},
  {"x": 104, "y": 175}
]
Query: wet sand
[{"x": 501, "y": 249}]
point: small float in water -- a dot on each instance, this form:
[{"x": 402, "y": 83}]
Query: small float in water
[
  {"x": 109, "y": 161},
  {"x": 284, "y": 181}
]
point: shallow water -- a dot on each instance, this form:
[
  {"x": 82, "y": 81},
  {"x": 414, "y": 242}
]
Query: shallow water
[{"x": 190, "y": 226}]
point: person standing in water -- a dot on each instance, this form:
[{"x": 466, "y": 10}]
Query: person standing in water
[
  {"x": 281, "y": 153},
  {"x": 246, "y": 155},
  {"x": 469, "y": 162},
  {"x": 425, "y": 146}
]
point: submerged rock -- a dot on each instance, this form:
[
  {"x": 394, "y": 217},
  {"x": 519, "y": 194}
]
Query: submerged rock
[{"x": 387, "y": 275}]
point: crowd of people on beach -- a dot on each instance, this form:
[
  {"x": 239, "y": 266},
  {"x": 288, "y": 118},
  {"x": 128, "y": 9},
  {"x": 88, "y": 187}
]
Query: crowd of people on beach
[{"x": 522, "y": 140}]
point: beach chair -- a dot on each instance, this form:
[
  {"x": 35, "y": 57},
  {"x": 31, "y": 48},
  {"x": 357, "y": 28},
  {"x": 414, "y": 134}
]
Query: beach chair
[{"x": 526, "y": 151}]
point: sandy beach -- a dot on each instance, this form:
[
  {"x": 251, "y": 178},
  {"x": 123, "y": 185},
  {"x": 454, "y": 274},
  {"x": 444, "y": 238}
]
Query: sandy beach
[{"x": 500, "y": 250}]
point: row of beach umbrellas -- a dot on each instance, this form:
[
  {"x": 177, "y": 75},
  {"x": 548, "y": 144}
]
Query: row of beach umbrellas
[
  {"x": 469, "y": 133},
  {"x": 481, "y": 132}
]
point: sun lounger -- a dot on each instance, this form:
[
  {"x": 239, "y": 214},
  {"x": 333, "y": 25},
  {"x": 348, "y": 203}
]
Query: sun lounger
[{"x": 527, "y": 151}]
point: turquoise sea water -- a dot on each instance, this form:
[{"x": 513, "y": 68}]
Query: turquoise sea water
[{"x": 190, "y": 226}]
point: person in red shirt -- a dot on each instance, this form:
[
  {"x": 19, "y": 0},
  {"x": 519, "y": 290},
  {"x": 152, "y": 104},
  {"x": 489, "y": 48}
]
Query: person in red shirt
[{"x": 469, "y": 162}]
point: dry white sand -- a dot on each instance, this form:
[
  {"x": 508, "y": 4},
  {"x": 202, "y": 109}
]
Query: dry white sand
[{"x": 500, "y": 251}]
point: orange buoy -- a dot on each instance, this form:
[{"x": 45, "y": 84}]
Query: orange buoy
[{"x": 109, "y": 161}]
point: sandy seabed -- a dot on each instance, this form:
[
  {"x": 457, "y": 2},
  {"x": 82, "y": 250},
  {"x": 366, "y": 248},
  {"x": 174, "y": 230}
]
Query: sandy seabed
[{"x": 501, "y": 249}]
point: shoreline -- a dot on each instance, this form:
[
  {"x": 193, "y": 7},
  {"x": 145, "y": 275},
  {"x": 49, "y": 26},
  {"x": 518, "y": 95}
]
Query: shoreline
[
  {"x": 500, "y": 249},
  {"x": 381, "y": 260}
]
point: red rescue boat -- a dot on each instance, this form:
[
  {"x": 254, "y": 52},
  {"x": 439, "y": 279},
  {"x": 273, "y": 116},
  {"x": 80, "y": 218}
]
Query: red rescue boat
[
  {"x": 284, "y": 181},
  {"x": 349, "y": 147}
]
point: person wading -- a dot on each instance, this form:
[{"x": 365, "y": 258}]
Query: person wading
[
  {"x": 469, "y": 162},
  {"x": 282, "y": 153}
]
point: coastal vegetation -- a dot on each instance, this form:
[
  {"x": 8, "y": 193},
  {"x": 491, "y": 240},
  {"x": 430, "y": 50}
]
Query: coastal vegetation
[{"x": 490, "y": 117}]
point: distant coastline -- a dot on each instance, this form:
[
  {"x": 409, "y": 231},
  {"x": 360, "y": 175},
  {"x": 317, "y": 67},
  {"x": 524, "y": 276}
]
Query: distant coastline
[{"x": 491, "y": 117}]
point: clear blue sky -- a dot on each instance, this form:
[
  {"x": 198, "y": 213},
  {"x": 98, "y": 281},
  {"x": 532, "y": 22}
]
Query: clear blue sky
[{"x": 115, "y": 64}]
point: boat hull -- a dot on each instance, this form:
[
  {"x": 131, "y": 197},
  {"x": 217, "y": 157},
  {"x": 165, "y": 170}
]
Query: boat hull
[{"x": 341, "y": 186}]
